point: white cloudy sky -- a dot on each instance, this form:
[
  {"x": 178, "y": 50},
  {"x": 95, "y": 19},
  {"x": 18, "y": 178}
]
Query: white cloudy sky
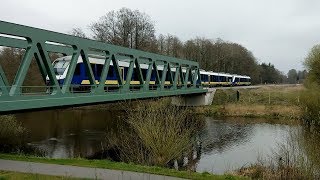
[{"x": 276, "y": 31}]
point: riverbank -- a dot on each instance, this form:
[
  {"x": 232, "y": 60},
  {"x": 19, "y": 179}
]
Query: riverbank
[
  {"x": 106, "y": 164},
  {"x": 271, "y": 102}
]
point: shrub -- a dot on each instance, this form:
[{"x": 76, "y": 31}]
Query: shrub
[
  {"x": 11, "y": 133},
  {"x": 310, "y": 103},
  {"x": 157, "y": 133}
]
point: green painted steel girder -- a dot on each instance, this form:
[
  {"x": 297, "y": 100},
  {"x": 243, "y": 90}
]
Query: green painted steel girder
[{"x": 38, "y": 43}]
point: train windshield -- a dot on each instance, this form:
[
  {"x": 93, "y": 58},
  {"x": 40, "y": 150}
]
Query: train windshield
[{"x": 60, "y": 66}]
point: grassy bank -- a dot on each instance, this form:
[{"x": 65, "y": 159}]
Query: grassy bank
[
  {"x": 120, "y": 166},
  {"x": 276, "y": 102}
]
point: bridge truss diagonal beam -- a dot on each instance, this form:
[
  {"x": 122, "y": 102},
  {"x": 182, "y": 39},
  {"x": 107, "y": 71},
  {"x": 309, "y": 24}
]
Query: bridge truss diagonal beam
[{"x": 178, "y": 76}]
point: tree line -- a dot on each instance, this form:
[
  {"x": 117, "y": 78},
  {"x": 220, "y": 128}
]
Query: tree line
[{"x": 134, "y": 29}]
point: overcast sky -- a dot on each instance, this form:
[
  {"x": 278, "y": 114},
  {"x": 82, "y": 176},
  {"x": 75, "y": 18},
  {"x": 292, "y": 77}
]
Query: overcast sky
[{"x": 277, "y": 31}]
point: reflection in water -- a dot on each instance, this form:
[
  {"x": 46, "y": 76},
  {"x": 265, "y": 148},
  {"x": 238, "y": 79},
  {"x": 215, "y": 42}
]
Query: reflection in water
[
  {"x": 222, "y": 145},
  {"x": 220, "y": 135},
  {"x": 65, "y": 134},
  {"x": 230, "y": 145}
]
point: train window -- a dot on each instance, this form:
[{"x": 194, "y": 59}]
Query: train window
[
  {"x": 190, "y": 76},
  {"x": 203, "y": 77},
  {"x": 144, "y": 73},
  {"x": 153, "y": 75},
  {"x": 135, "y": 74},
  {"x": 168, "y": 76},
  {"x": 123, "y": 72},
  {"x": 213, "y": 78},
  {"x": 77, "y": 71},
  {"x": 173, "y": 75},
  {"x": 160, "y": 74},
  {"x": 60, "y": 66},
  {"x": 93, "y": 67},
  {"x": 99, "y": 69},
  {"x": 111, "y": 72}
]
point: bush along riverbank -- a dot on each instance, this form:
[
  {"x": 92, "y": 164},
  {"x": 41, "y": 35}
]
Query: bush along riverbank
[{"x": 273, "y": 102}]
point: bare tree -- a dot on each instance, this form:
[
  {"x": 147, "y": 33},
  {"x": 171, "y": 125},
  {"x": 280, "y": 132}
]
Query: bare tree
[
  {"x": 161, "y": 43},
  {"x": 126, "y": 28},
  {"x": 78, "y": 32}
]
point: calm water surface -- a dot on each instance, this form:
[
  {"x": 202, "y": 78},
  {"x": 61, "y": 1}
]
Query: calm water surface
[
  {"x": 224, "y": 145},
  {"x": 228, "y": 145}
]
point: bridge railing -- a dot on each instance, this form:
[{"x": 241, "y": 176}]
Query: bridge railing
[{"x": 39, "y": 43}]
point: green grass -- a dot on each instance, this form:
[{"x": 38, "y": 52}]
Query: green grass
[
  {"x": 29, "y": 176},
  {"x": 120, "y": 166}
]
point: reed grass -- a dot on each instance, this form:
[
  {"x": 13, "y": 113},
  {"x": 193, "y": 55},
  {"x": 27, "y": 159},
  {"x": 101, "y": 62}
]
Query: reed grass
[{"x": 310, "y": 103}]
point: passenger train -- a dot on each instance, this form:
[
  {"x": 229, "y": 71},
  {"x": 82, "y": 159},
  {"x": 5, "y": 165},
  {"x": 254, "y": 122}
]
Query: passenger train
[{"x": 80, "y": 78}]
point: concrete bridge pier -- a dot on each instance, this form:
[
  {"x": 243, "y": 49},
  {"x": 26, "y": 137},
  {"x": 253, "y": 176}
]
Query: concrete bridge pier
[{"x": 204, "y": 99}]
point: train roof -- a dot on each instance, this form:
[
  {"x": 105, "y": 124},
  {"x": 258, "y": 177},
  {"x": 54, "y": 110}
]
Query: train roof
[
  {"x": 242, "y": 76},
  {"x": 125, "y": 63}
]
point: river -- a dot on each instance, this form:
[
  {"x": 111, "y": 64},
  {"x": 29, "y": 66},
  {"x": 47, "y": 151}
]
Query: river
[{"x": 223, "y": 145}]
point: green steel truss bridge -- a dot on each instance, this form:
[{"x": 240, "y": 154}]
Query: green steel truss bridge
[{"x": 38, "y": 43}]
